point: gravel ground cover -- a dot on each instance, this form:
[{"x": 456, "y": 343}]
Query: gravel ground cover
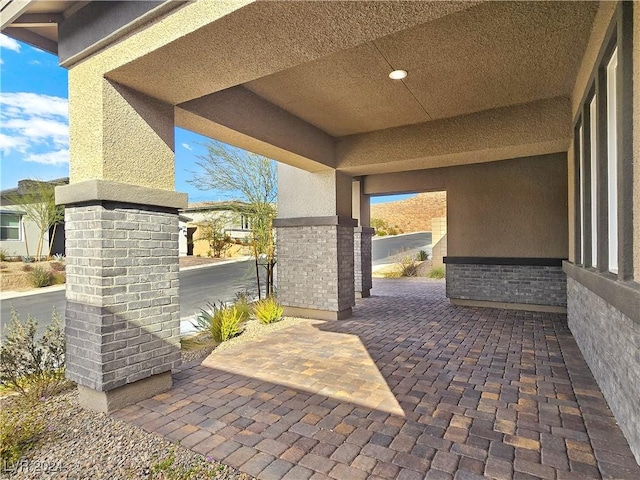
[{"x": 80, "y": 444}]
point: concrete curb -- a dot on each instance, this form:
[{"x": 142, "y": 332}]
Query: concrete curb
[
  {"x": 398, "y": 235},
  {"x": 12, "y": 294},
  {"x": 225, "y": 262}
]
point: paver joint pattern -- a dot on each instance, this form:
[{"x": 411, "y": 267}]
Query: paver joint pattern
[{"x": 424, "y": 390}]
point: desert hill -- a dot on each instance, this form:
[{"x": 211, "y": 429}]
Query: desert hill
[{"x": 413, "y": 214}]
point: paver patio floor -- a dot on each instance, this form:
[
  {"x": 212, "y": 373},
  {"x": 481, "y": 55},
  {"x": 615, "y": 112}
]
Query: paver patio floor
[{"x": 410, "y": 387}]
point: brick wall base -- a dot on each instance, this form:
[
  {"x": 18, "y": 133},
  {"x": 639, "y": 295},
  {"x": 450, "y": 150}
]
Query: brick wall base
[
  {"x": 362, "y": 260},
  {"x": 610, "y": 344},
  {"x": 315, "y": 265},
  {"x": 123, "y": 312},
  {"x": 520, "y": 284}
]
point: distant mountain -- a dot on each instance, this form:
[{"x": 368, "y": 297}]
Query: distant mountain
[{"x": 413, "y": 214}]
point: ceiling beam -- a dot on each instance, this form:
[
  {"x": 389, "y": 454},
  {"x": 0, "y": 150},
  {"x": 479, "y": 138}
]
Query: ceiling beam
[
  {"x": 37, "y": 20},
  {"x": 535, "y": 128},
  {"x": 32, "y": 38},
  {"x": 240, "y": 117}
]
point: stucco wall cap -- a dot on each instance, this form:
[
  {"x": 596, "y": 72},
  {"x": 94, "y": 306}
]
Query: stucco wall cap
[{"x": 106, "y": 190}]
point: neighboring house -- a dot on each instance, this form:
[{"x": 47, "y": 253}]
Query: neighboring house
[
  {"x": 236, "y": 225},
  {"x": 18, "y": 235}
]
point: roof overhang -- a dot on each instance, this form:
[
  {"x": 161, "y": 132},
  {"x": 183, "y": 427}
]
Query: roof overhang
[{"x": 36, "y": 22}]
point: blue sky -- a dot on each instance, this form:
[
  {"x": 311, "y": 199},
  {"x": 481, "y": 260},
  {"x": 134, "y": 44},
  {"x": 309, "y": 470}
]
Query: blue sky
[{"x": 34, "y": 130}]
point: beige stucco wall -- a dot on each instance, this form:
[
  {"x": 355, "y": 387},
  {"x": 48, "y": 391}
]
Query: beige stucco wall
[
  {"x": 116, "y": 133},
  {"x": 515, "y": 208},
  {"x": 305, "y": 194},
  {"x": 511, "y": 208}
]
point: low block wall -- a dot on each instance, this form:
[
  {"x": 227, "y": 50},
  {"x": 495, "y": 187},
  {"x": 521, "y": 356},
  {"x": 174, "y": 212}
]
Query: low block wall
[{"x": 540, "y": 282}]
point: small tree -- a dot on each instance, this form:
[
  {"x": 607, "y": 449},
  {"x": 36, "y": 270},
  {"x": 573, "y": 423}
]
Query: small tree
[
  {"x": 252, "y": 179},
  {"x": 380, "y": 226},
  {"x": 212, "y": 231},
  {"x": 38, "y": 200}
]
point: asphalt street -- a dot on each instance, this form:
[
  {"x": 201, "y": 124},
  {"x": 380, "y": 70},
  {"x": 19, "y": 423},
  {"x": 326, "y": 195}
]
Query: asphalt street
[
  {"x": 197, "y": 287},
  {"x": 212, "y": 283},
  {"x": 390, "y": 249}
]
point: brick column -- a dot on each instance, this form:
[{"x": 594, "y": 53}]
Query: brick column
[
  {"x": 362, "y": 261},
  {"x": 123, "y": 312},
  {"x": 316, "y": 266}
]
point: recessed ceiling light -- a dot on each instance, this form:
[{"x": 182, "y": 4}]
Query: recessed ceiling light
[{"x": 398, "y": 74}]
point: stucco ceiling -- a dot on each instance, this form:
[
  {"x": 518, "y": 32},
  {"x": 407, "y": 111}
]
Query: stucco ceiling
[{"x": 491, "y": 55}]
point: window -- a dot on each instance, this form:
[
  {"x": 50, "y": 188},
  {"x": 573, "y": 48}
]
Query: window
[
  {"x": 603, "y": 158},
  {"x": 244, "y": 222},
  {"x": 593, "y": 153},
  {"x": 580, "y": 209},
  {"x": 10, "y": 226},
  {"x": 612, "y": 162}
]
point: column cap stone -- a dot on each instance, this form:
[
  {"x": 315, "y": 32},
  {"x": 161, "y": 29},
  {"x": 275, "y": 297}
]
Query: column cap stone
[
  {"x": 365, "y": 230},
  {"x": 333, "y": 220},
  {"x": 93, "y": 191}
]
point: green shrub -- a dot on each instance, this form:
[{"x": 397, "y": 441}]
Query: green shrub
[
  {"x": 32, "y": 367},
  {"x": 268, "y": 310},
  {"x": 408, "y": 267},
  {"x": 40, "y": 277},
  {"x": 392, "y": 231},
  {"x": 3, "y": 255},
  {"x": 58, "y": 278},
  {"x": 27, "y": 259},
  {"x": 221, "y": 322},
  {"x": 437, "y": 272},
  {"x": 242, "y": 303},
  {"x": 422, "y": 256},
  {"x": 20, "y": 427},
  {"x": 58, "y": 257}
]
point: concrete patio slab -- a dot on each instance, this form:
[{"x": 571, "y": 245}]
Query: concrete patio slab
[{"x": 410, "y": 387}]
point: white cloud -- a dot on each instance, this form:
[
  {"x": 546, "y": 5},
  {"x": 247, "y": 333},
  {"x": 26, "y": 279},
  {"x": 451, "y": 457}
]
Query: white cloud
[
  {"x": 187, "y": 146},
  {"x": 35, "y": 104},
  {"x": 8, "y": 143},
  {"x": 59, "y": 157},
  {"x": 35, "y": 126},
  {"x": 9, "y": 43}
]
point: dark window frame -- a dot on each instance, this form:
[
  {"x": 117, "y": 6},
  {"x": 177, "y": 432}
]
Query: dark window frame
[
  {"x": 619, "y": 35},
  {"x": 620, "y": 290}
]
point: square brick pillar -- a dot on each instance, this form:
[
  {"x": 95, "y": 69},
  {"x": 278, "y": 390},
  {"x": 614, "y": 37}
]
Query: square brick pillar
[
  {"x": 315, "y": 274},
  {"x": 362, "y": 261},
  {"x": 122, "y": 320}
]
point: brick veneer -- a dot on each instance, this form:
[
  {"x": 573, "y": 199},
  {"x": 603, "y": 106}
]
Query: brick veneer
[
  {"x": 610, "y": 343},
  {"x": 123, "y": 312},
  {"x": 362, "y": 260},
  {"x": 528, "y": 284},
  {"x": 316, "y": 266}
]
